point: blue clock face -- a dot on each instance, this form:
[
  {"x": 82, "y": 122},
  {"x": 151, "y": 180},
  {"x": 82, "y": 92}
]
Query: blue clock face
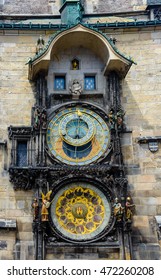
[
  {"x": 77, "y": 136},
  {"x": 77, "y": 128}
]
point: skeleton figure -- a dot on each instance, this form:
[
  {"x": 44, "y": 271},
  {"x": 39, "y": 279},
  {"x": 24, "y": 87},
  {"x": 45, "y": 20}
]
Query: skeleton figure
[{"x": 35, "y": 207}]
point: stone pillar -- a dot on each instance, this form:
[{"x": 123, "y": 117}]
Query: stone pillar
[
  {"x": 41, "y": 90},
  {"x": 113, "y": 91}
]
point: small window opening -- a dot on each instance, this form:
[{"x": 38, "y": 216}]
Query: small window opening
[
  {"x": 89, "y": 82},
  {"x": 22, "y": 153},
  {"x": 59, "y": 82}
]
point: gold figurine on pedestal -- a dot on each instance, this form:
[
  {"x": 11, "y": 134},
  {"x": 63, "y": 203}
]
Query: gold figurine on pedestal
[{"x": 45, "y": 206}]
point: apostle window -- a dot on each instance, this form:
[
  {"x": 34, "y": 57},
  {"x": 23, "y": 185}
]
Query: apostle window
[
  {"x": 59, "y": 82},
  {"x": 90, "y": 82}
]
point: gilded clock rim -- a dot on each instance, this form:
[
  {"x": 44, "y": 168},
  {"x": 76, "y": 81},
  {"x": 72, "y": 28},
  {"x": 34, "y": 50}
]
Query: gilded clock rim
[{"x": 99, "y": 145}]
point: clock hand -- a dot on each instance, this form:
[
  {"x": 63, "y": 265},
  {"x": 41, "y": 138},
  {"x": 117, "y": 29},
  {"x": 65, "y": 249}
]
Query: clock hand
[
  {"x": 75, "y": 152},
  {"x": 78, "y": 127},
  {"x": 77, "y": 131}
]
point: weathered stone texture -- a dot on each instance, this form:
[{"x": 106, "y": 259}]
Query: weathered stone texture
[
  {"x": 25, "y": 7},
  {"x": 52, "y": 7},
  {"x": 111, "y": 6},
  {"x": 7, "y": 242},
  {"x": 89, "y": 254},
  {"x": 141, "y": 91}
]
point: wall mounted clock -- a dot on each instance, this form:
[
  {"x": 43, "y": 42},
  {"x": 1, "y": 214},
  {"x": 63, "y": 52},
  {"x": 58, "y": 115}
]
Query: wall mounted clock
[
  {"x": 78, "y": 136},
  {"x": 80, "y": 212}
]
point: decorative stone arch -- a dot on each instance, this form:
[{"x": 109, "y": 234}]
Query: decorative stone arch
[{"x": 80, "y": 35}]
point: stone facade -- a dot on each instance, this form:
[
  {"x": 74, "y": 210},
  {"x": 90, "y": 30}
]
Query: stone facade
[
  {"x": 52, "y": 7},
  {"x": 25, "y": 7},
  {"x": 141, "y": 100},
  {"x": 16, "y": 102}
]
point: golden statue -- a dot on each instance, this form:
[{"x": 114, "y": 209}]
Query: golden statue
[
  {"x": 75, "y": 64},
  {"x": 129, "y": 209},
  {"x": 45, "y": 206},
  {"x": 118, "y": 210},
  {"x": 79, "y": 113}
]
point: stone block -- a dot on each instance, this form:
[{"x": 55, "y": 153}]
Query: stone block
[
  {"x": 6, "y": 255},
  {"x": 25, "y": 236},
  {"x": 24, "y": 250},
  {"x": 132, "y": 170},
  {"x": 142, "y": 179},
  {"x": 140, "y": 221},
  {"x": 27, "y": 227},
  {"x": 20, "y": 204},
  {"x": 154, "y": 255},
  {"x": 146, "y": 210},
  {"x": 149, "y": 201},
  {"x": 158, "y": 210},
  {"x": 158, "y": 199},
  {"x": 126, "y": 139}
]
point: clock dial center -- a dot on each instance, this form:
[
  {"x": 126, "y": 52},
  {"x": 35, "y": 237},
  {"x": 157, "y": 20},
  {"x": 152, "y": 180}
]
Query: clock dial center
[{"x": 76, "y": 130}]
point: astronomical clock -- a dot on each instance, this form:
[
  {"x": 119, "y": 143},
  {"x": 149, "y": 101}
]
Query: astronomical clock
[
  {"x": 70, "y": 156},
  {"x": 77, "y": 136}
]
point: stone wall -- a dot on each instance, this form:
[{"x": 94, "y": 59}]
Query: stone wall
[
  {"x": 53, "y": 6},
  {"x": 26, "y": 7},
  {"x": 142, "y": 102},
  {"x": 113, "y": 6},
  {"x": 16, "y": 100}
]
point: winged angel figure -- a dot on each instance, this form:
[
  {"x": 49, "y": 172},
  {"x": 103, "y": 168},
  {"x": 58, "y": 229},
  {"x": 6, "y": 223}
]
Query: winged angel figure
[{"x": 45, "y": 205}]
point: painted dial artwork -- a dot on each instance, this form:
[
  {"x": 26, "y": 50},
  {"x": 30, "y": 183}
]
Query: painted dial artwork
[
  {"x": 77, "y": 136},
  {"x": 80, "y": 211}
]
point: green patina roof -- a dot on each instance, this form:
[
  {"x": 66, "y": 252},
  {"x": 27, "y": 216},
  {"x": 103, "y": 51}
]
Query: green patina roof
[
  {"x": 51, "y": 25},
  {"x": 31, "y": 60}
]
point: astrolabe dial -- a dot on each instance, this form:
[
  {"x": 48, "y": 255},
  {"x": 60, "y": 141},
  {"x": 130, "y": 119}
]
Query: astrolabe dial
[
  {"x": 78, "y": 136},
  {"x": 77, "y": 129},
  {"x": 80, "y": 211}
]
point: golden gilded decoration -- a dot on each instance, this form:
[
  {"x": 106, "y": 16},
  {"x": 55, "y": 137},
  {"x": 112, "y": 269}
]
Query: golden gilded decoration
[
  {"x": 75, "y": 64},
  {"x": 79, "y": 113},
  {"x": 45, "y": 206},
  {"x": 95, "y": 149},
  {"x": 80, "y": 210}
]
